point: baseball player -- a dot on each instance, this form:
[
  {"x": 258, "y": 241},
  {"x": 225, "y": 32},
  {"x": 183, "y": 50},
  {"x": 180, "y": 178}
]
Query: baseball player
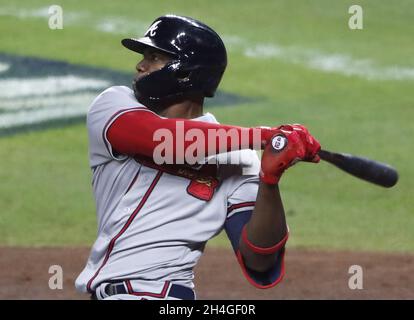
[{"x": 154, "y": 219}]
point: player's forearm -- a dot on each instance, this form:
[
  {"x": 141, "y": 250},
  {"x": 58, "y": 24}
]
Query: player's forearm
[
  {"x": 135, "y": 133},
  {"x": 266, "y": 229}
]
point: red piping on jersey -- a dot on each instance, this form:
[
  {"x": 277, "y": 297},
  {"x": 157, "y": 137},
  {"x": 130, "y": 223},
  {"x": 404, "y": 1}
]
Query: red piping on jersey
[
  {"x": 125, "y": 227},
  {"x": 133, "y": 180},
  {"x": 150, "y": 294},
  {"x": 252, "y": 282},
  {"x": 241, "y": 205}
]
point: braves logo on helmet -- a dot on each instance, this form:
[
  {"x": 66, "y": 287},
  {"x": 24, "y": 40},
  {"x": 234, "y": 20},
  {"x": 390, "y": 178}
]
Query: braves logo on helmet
[{"x": 151, "y": 32}]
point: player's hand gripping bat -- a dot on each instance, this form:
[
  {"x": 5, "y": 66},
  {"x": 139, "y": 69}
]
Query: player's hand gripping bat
[{"x": 369, "y": 170}]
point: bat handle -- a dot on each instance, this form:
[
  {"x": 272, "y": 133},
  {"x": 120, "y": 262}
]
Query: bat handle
[{"x": 329, "y": 156}]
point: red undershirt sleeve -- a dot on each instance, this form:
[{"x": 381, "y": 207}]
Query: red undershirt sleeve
[{"x": 139, "y": 131}]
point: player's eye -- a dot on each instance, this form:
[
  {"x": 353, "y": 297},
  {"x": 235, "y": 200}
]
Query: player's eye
[
  {"x": 149, "y": 56},
  {"x": 154, "y": 57}
]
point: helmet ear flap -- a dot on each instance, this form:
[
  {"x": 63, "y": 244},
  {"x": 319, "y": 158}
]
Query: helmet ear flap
[
  {"x": 180, "y": 73},
  {"x": 183, "y": 75}
]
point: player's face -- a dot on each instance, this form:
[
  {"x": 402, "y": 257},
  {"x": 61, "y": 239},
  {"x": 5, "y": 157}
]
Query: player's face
[{"x": 153, "y": 60}]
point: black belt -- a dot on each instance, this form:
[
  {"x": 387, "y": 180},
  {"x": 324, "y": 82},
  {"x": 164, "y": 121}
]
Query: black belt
[{"x": 176, "y": 291}]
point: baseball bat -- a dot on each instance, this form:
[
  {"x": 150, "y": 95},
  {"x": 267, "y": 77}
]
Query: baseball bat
[{"x": 375, "y": 172}]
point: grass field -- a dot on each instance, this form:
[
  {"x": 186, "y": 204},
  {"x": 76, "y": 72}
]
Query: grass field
[{"x": 352, "y": 88}]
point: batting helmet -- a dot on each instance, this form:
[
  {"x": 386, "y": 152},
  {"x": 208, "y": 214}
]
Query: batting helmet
[{"x": 198, "y": 62}]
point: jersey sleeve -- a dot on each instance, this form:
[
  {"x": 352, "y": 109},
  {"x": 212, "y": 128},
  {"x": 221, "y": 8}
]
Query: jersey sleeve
[
  {"x": 240, "y": 209},
  {"x": 243, "y": 195},
  {"x": 104, "y": 110}
]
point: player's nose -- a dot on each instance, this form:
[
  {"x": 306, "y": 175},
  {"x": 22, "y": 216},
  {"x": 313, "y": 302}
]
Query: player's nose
[{"x": 140, "y": 67}]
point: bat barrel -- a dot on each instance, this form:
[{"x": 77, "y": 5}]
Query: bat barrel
[{"x": 373, "y": 171}]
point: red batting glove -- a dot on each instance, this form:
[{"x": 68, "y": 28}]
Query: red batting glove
[
  {"x": 289, "y": 144},
  {"x": 312, "y": 145}
]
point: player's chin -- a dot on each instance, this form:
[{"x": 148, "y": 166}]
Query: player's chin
[{"x": 140, "y": 76}]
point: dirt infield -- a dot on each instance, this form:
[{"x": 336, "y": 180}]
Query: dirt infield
[{"x": 309, "y": 275}]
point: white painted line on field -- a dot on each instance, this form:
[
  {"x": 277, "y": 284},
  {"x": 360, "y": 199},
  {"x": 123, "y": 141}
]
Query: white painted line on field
[
  {"x": 52, "y": 85},
  {"x": 331, "y": 63},
  {"x": 40, "y": 102},
  {"x": 265, "y": 51},
  {"x": 338, "y": 63},
  {"x": 109, "y": 24},
  {"x": 232, "y": 41},
  {"x": 4, "y": 67},
  {"x": 43, "y": 12},
  {"x": 27, "y": 117},
  {"x": 24, "y": 13},
  {"x": 120, "y": 26}
]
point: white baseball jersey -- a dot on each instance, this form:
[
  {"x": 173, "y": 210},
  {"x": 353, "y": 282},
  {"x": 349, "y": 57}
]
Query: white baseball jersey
[{"x": 152, "y": 225}]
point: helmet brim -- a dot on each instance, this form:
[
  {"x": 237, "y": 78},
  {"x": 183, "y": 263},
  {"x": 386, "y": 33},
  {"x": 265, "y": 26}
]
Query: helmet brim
[{"x": 139, "y": 45}]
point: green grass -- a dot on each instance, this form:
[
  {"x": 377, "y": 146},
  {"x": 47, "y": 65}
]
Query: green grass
[
  {"x": 46, "y": 191},
  {"x": 46, "y": 196}
]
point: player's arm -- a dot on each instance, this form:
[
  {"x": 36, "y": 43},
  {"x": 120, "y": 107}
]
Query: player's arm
[
  {"x": 132, "y": 133},
  {"x": 266, "y": 232}
]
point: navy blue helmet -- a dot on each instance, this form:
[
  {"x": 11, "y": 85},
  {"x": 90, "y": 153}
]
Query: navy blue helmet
[{"x": 198, "y": 62}]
